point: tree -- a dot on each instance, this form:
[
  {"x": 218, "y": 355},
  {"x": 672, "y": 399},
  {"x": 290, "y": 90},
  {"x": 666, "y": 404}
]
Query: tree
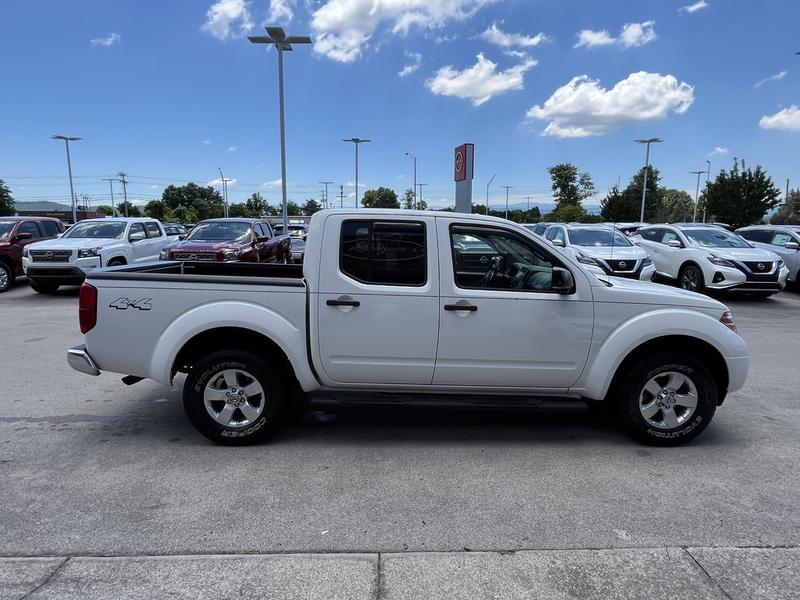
[
  {"x": 310, "y": 207},
  {"x": 239, "y": 209},
  {"x": 155, "y": 209},
  {"x": 408, "y": 199},
  {"x": 789, "y": 212},
  {"x": 740, "y": 197},
  {"x": 380, "y": 198},
  {"x": 293, "y": 209},
  {"x": 132, "y": 211},
  {"x": 674, "y": 206},
  {"x": 626, "y": 205},
  {"x": 206, "y": 201},
  {"x": 105, "y": 210},
  {"x": 258, "y": 207},
  {"x": 6, "y": 200},
  {"x": 570, "y": 188},
  {"x": 568, "y": 213},
  {"x": 183, "y": 214}
]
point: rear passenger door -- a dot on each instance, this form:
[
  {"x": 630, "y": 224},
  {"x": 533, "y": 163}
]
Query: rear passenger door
[{"x": 378, "y": 304}]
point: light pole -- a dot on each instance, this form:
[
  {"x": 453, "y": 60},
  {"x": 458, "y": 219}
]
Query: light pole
[
  {"x": 357, "y": 142},
  {"x": 508, "y": 187},
  {"x": 225, "y": 191},
  {"x": 414, "y": 206},
  {"x": 122, "y": 176},
  {"x": 283, "y": 43},
  {"x": 110, "y": 181},
  {"x": 696, "y": 193},
  {"x": 708, "y": 176},
  {"x": 325, "y": 183},
  {"x": 67, "y": 139},
  {"x": 487, "y": 192},
  {"x": 341, "y": 196},
  {"x": 420, "y": 186},
  {"x": 646, "y": 165}
]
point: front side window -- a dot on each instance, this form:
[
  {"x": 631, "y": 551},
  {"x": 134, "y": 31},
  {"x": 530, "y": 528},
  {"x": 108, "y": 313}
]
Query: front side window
[
  {"x": 781, "y": 239},
  {"x": 50, "y": 228},
  {"x": 137, "y": 228},
  {"x": 152, "y": 229},
  {"x": 669, "y": 236},
  {"x": 507, "y": 262},
  {"x": 384, "y": 253},
  {"x": 30, "y": 227}
]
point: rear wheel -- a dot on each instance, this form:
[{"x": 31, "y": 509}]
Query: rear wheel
[
  {"x": 667, "y": 399},
  {"x": 6, "y": 277},
  {"x": 44, "y": 288},
  {"x": 691, "y": 279},
  {"x": 235, "y": 398}
]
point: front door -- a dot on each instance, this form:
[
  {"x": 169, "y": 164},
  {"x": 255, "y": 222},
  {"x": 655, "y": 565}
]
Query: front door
[
  {"x": 501, "y": 325},
  {"x": 140, "y": 245},
  {"x": 378, "y": 300}
]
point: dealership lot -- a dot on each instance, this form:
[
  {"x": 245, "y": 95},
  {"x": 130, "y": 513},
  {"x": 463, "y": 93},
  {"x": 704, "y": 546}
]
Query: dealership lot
[{"x": 108, "y": 487}]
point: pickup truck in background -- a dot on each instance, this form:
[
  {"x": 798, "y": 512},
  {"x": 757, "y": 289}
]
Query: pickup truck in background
[
  {"x": 230, "y": 240},
  {"x": 412, "y": 307},
  {"x": 15, "y": 234}
]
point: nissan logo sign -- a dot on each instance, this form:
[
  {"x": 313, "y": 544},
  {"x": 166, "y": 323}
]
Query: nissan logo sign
[
  {"x": 622, "y": 264},
  {"x": 193, "y": 257},
  {"x": 761, "y": 266},
  {"x": 48, "y": 254}
]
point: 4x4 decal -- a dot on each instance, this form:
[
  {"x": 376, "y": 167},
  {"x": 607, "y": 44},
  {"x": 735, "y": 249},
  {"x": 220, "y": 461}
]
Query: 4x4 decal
[{"x": 126, "y": 303}]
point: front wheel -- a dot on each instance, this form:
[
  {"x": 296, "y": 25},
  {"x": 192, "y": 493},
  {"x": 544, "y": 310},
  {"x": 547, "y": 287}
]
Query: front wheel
[
  {"x": 6, "y": 277},
  {"x": 667, "y": 399},
  {"x": 691, "y": 279},
  {"x": 235, "y": 398}
]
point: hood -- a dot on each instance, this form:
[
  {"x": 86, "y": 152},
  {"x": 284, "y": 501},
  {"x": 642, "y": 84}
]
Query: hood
[
  {"x": 197, "y": 246},
  {"x": 71, "y": 243},
  {"x": 748, "y": 254},
  {"x": 645, "y": 292},
  {"x": 615, "y": 253}
]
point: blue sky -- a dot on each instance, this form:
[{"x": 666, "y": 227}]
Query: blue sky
[{"x": 169, "y": 91}]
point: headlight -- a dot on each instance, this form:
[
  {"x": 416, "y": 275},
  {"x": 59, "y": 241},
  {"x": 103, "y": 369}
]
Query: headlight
[
  {"x": 163, "y": 255},
  {"x": 87, "y": 252},
  {"x": 647, "y": 261},
  {"x": 25, "y": 252},
  {"x": 780, "y": 264},
  {"x": 230, "y": 255},
  {"x": 587, "y": 260},
  {"x": 720, "y": 262},
  {"x": 727, "y": 320}
]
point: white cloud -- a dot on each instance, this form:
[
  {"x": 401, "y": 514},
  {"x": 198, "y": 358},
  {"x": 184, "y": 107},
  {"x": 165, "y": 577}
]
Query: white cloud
[
  {"x": 693, "y": 7},
  {"x": 280, "y": 11},
  {"x": 154, "y": 187},
  {"x": 630, "y": 36},
  {"x": 343, "y": 27},
  {"x": 109, "y": 40},
  {"x": 480, "y": 82},
  {"x": 275, "y": 183},
  {"x": 494, "y": 35},
  {"x": 413, "y": 66},
  {"x": 718, "y": 151},
  {"x": 770, "y": 79},
  {"x": 787, "y": 119},
  {"x": 232, "y": 148},
  {"x": 206, "y": 142},
  {"x": 218, "y": 182},
  {"x": 224, "y": 17},
  {"x": 582, "y": 107}
]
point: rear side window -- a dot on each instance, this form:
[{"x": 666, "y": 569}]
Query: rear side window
[
  {"x": 652, "y": 235},
  {"x": 384, "y": 253},
  {"x": 152, "y": 229},
  {"x": 757, "y": 235},
  {"x": 50, "y": 228}
]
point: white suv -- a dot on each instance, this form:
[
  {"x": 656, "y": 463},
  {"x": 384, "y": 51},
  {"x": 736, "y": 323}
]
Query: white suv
[
  {"x": 91, "y": 244},
  {"x": 707, "y": 257}
]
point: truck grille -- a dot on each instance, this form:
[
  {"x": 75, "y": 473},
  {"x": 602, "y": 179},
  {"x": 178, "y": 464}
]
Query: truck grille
[
  {"x": 51, "y": 256},
  {"x": 759, "y": 267},
  {"x": 195, "y": 256},
  {"x": 624, "y": 266}
]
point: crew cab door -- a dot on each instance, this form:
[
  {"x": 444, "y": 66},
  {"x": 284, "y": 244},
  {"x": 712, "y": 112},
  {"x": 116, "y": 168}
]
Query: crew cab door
[
  {"x": 139, "y": 243},
  {"x": 501, "y": 326},
  {"x": 377, "y": 304},
  {"x": 157, "y": 239}
]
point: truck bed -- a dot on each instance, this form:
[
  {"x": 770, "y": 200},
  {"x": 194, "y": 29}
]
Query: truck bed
[{"x": 205, "y": 272}]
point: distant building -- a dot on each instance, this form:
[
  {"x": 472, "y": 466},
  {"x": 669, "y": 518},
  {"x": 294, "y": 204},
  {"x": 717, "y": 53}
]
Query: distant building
[{"x": 53, "y": 209}]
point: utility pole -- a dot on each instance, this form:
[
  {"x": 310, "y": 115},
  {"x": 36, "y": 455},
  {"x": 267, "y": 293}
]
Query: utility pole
[
  {"x": 110, "y": 181},
  {"x": 487, "y": 192},
  {"x": 86, "y": 202},
  {"x": 357, "y": 142},
  {"x": 508, "y": 187},
  {"x": 122, "y": 176},
  {"x": 696, "y": 193},
  {"x": 528, "y": 205},
  {"x": 646, "y": 165},
  {"x": 225, "y": 192},
  {"x": 67, "y": 139},
  {"x": 341, "y": 196},
  {"x": 419, "y": 202},
  {"x": 325, "y": 202},
  {"x": 708, "y": 176}
]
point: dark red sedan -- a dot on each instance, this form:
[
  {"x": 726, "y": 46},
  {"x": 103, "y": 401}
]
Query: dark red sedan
[{"x": 231, "y": 240}]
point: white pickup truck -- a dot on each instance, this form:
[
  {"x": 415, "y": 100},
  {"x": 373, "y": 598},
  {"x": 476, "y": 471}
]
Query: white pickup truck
[{"x": 407, "y": 306}]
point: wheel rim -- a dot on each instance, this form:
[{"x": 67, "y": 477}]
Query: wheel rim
[
  {"x": 4, "y": 277},
  {"x": 690, "y": 280},
  {"x": 668, "y": 400},
  {"x": 234, "y": 398}
]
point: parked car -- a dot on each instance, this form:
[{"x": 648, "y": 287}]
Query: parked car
[
  {"x": 230, "y": 240},
  {"x": 783, "y": 240},
  {"x": 628, "y": 228},
  {"x": 387, "y": 308},
  {"x": 298, "y": 233},
  {"x": 602, "y": 249},
  {"x": 701, "y": 257},
  {"x": 90, "y": 244},
  {"x": 15, "y": 234},
  {"x": 538, "y": 228},
  {"x": 174, "y": 230}
]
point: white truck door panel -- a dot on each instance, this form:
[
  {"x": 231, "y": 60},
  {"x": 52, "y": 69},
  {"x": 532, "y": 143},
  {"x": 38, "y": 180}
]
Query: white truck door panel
[
  {"x": 520, "y": 337},
  {"x": 378, "y": 304}
]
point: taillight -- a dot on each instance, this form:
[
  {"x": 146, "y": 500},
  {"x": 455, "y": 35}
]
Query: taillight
[
  {"x": 87, "y": 307},
  {"x": 727, "y": 320}
]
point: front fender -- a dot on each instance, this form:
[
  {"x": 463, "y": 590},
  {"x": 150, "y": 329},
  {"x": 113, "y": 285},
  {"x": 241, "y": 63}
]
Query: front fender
[
  {"x": 615, "y": 346},
  {"x": 245, "y": 315}
]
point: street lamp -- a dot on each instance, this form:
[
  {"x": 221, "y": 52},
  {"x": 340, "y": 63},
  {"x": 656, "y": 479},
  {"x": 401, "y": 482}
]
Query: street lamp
[
  {"x": 708, "y": 176},
  {"x": 414, "y": 206},
  {"x": 420, "y": 186},
  {"x": 225, "y": 190},
  {"x": 283, "y": 43},
  {"x": 325, "y": 183},
  {"x": 487, "y": 192},
  {"x": 357, "y": 142},
  {"x": 696, "y": 193},
  {"x": 508, "y": 187},
  {"x": 646, "y": 165},
  {"x": 67, "y": 139}
]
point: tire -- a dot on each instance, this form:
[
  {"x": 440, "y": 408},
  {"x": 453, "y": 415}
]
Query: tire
[
  {"x": 240, "y": 418},
  {"x": 116, "y": 262},
  {"x": 674, "y": 421},
  {"x": 762, "y": 294},
  {"x": 6, "y": 277},
  {"x": 691, "y": 279},
  {"x": 44, "y": 288}
]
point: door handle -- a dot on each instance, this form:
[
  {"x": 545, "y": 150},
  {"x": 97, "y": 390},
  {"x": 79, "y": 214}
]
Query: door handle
[
  {"x": 353, "y": 303},
  {"x": 469, "y": 307}
]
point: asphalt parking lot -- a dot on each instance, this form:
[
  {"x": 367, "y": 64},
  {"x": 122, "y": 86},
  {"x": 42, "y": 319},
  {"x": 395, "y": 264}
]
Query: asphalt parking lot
[{"x": 107, "y": 491}]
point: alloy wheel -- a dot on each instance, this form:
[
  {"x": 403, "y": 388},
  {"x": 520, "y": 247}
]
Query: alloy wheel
[
  {"x": 234, "y": 398},
  {"x": 668, "y": 400}
]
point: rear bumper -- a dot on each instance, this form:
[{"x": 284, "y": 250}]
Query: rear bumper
[{"x": 79, "y": 359}]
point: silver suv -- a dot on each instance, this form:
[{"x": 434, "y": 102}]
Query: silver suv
[{"x": 783, "y": 240}]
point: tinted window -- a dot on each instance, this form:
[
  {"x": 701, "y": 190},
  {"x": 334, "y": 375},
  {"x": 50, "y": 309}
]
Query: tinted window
[
  {"x": 652, "y": 235},
  {"x": 757, "y": 235},
  {"x": 50, "y": 228},
  {"x": 509, "y": 262},
  {"x": 152, "y": 229},
  {"x": 136, "y": 228},
  {"x": 30, "y": 227},
  {"x": 540, "y": 229},
  {"x": 171, "y": 230},
  {"x": 263, "y": 229},
  {"x": 384, "y": 253},
  {"x": 551, "y": 233}
]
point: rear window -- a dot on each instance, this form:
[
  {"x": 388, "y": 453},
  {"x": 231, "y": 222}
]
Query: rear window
[{"x": 384, "y": 253}]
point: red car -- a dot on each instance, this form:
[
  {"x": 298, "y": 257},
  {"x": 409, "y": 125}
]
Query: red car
[
  {"x": 231, "y": 240},
  {"x": 15, "y": 234}
]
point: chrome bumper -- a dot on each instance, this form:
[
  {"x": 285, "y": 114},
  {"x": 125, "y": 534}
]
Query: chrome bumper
[{"x": 79, "y": 359}]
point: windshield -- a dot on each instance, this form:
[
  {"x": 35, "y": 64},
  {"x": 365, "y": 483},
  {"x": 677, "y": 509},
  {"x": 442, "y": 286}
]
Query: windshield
[
  {"x": 97, "y": 230},
  {"x": 715, "y": 238},
  {"x": 220, "y": 232},
  {"x": 597, "y": 237},
  {"x": 5, "y": 228}
]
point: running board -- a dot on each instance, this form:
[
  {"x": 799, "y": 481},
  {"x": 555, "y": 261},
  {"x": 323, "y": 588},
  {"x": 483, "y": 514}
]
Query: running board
[{"x": 369, "y": 399}]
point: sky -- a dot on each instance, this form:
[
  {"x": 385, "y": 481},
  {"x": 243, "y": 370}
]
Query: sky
[{"x": 170, "y": 91}]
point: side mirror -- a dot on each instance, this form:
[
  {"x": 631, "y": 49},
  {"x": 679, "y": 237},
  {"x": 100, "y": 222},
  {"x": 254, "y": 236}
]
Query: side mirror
[
  {"x": 674, "y": 244},
  {"x": 558, "y": 242},
  {"x": 791, "y": 245},
  {"x": 563, "y": 281},
  {"x": 25, "y": 235},
  {"x": 136, "y": 236},
  {"x": 261, "y": 239},
  {"x": 181, "y": 237}
]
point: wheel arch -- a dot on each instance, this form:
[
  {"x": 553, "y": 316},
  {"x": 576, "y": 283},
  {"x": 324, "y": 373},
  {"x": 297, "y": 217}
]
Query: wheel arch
[{"x": 121, "y": 259}]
